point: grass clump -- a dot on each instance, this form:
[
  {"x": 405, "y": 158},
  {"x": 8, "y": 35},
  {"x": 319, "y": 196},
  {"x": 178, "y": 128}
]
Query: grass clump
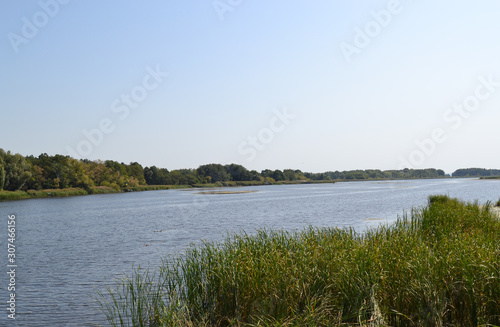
[
  {"x": 104, "y": 190},
  {"x": 13, "y": 195},
  {"x": 438, "y": 198},
  {"x": 141, "y": 188},
  {"x": 437, "y": 266},
  {"x": 29, "y": 194},
  {"x": 73, "y": 191}
]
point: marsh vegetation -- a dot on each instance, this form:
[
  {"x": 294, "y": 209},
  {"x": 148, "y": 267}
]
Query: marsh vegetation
[{"x": 436, "y": 266}]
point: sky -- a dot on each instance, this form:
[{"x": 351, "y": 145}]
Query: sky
[{"x": 312, "y": 85}]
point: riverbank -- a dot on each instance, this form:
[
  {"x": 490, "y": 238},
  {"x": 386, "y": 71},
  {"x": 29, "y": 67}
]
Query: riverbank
[
  {"x": 490, "y": 177},
  {"x": 47, "y": 193},
  {"x": 438, "y": 266}
]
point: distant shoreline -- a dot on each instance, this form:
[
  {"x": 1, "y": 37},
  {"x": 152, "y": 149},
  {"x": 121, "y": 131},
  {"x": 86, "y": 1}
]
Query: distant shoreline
[
  {"x": 75, "y": 191},
  {"x": 66, "y": 192}
]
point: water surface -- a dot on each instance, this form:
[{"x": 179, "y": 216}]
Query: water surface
[{"x": 67, "y": 247}]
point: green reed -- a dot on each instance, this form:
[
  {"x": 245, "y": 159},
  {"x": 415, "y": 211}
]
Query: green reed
[{"x": 436, "y": 266}]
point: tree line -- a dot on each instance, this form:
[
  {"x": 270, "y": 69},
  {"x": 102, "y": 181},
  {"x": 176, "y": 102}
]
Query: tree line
[
  {"x": 58, "y": 171},
  {"x": 370, "y": 174},
  {"x": 476, "y": 172}
]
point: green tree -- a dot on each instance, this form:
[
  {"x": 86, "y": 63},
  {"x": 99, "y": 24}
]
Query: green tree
[
  {"x": 79, "y": 176},
  {"x": 255, "y": 176},
  {"x": 475, "y": 172},
  {"x": 151, "y": 175},
  {"x": 136, "y": 171},
  {"x": 54, "y": 171},
  {"x": 299, "y": 175},
  {"x": 238, "y": 172},
  {"x": 216, "y": 172},
  {"x": 278, "y": 175},
  {"x": 290, "y": 175},
  {"x": 16, "y": 170},
  {"x": 2, "y": 171},
  {"x": 189, "y": 177},
  {"x": 37, "y": 179},
  {"x": 267, "y": 173},
  {"x": 175, "y": 178}
]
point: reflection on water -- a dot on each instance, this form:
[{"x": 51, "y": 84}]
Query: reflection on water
[{"x": 68, "y": 246}]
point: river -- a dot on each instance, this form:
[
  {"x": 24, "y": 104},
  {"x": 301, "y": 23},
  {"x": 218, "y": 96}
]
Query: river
[{"x": 67, "y": 248}]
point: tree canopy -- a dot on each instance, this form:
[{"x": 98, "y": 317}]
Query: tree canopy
[
  {"x": 476, "y": 172},
  {"x": 15, "y": 171},
  {"x": 59, "y": 171}
]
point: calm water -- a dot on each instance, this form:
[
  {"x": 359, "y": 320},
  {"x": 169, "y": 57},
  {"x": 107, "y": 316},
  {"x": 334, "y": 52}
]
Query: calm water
[{"x": 66, "y": 247}]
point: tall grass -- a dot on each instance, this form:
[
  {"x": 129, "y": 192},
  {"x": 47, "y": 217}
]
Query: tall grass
[
  {"x": 13, "y": 195},
  {"x": 72, "y": 191},
  {"x": 19, "y": 195},
  {"x": 140, "y": 188},
  {"x": 75, "y": 191},
  {"x": 436, "y": 266}
]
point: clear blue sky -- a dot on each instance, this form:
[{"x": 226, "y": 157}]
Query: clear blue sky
[{"x": 310, "y": 85}]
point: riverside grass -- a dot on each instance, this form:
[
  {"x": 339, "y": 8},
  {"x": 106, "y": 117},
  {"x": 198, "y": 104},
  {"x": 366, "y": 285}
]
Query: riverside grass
[
  {"x": 436, "y": 266},
  {"x": 75, "y": 191},
  {"x": 20, "y": 195}
]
